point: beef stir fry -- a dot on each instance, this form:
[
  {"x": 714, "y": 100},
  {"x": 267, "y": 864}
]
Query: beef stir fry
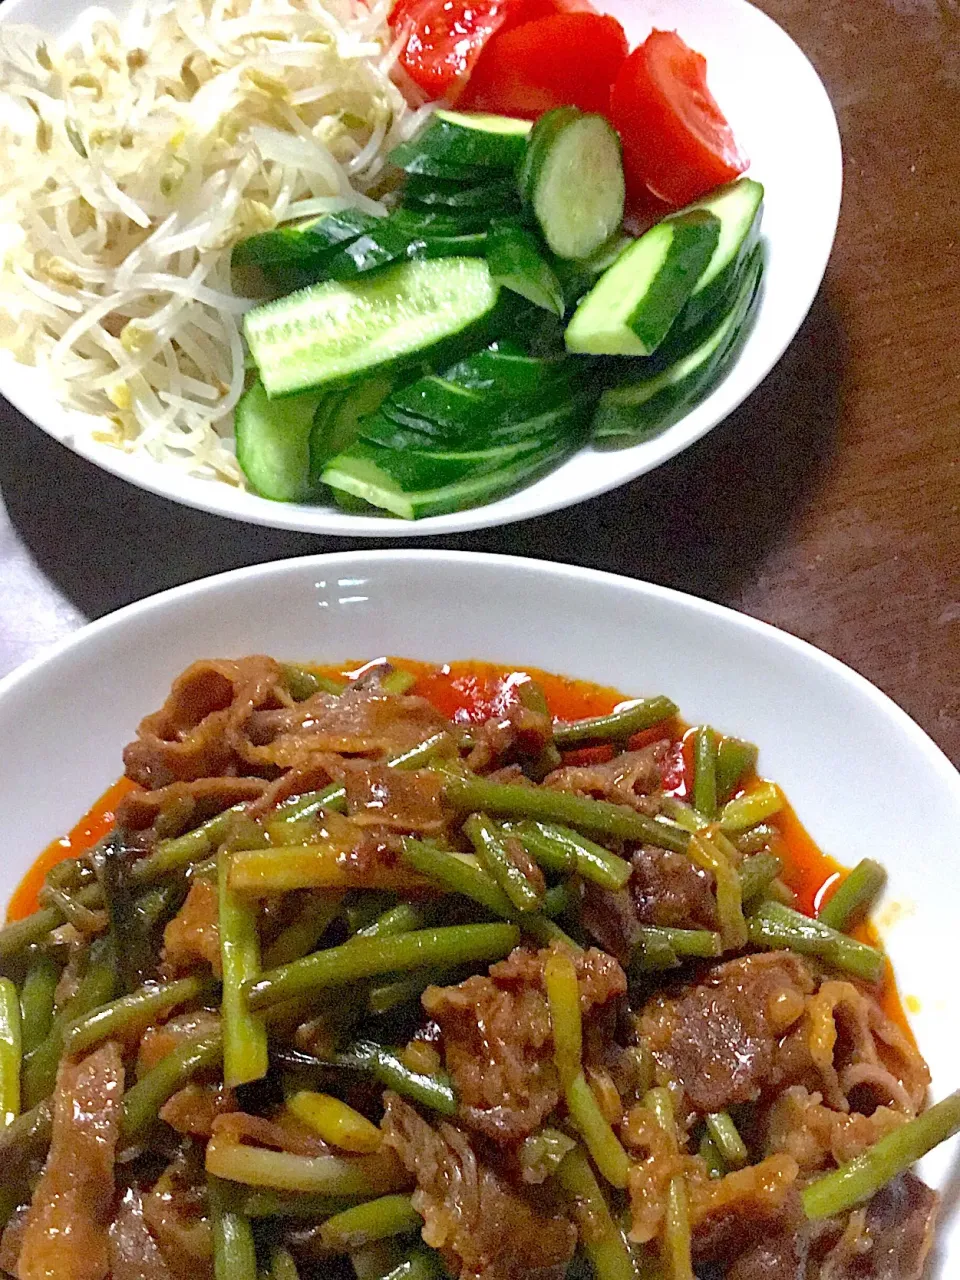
[{"x": 355, "y": 988}]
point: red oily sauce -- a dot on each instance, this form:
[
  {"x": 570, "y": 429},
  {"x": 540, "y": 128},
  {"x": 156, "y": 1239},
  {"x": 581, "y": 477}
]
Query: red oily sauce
[{"x": 470, "y": 692}]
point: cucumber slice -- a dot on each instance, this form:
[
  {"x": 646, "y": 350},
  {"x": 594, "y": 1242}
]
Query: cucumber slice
[
  {"x": 739, "y": 209},
  {"x": 454, "y": 140},
  {"x": 334, "y": 333},
  {"x": 293, "y": 246},
  {"x": 493, "y": 193},
  {"x": 515, "y": 261},
  {"x": 273, "y": 442},
  {"x": 572, "y": 177},
  {"x": 642, "y": 408},
  {"x": 390, "y": 244},
  {"x": 630, "y": 309},
  {"x": 336, "y": 423}
]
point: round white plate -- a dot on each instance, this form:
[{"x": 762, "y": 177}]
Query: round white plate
[
  {"x": 863, "y": 777},
  {"x": 783, "y": 120}
]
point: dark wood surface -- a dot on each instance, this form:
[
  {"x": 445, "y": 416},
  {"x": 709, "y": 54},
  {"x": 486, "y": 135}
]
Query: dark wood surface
[{"x": 828, "y": 505}]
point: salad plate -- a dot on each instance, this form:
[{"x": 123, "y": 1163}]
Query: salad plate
[{"x": 783, "y": 121}]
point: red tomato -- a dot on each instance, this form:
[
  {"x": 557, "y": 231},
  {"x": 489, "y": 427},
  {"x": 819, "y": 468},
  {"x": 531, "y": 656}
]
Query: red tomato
[
  {"x": 446, "y": 37},
  {"x": 568, "y": 59},
  {"x": 676, "y": 142}
]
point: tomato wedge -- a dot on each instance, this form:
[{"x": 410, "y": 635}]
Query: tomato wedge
[
  {"x": 444, "y": 38},
  {"x": 676, "y": 142},
  {"x": 567, "y": 59}
]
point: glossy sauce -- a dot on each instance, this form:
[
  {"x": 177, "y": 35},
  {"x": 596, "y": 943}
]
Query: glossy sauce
[{"x": 469, "y": 693}]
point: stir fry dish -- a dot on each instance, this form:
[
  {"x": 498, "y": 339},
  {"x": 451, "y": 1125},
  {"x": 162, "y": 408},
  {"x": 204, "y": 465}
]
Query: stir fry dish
[{"x": 413, "y": 971}]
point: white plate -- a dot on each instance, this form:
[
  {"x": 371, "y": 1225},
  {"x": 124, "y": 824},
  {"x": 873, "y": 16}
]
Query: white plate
[
  {"x": 782, "y": 118},
  {"x": 863, "y": 777}
]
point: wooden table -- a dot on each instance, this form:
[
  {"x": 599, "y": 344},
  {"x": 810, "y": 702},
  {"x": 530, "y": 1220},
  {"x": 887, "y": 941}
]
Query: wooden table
[{"x": 828, "y": 505}]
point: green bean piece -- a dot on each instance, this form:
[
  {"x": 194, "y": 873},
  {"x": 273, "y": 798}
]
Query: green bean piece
[
  {"x": 557, "y": 900},
  {"x": 10, "y": 1053},
  {"x": 862, "y": 1177},
  {"x": 532, "y": 696},
  {"x": 748, "y": 810},
  {"x": 398, "y": 682},
  {"x": 96, "y": 987},
  {"x": 602, "y": 1239},
  {"x": 234, "y": 1253},
  {"x": 724, "y": 1133},
  {"x": 773, "y": 925},
  {"x": 142, "y": 1102},
  {"x": 595, "y": 1130},
  {"x": 391, "y": 995},
  {"x": 19, "y": 935},
  {"x": 378, "y": 1219},
  {"x": 401, "y": 918},
  {"x": 854, "y": 896},
  {"x": 421, "y": 1265},
  {"x": 83, "y": 919},
  {"x": 327, "y": 1175},
  {"x": 282, "y": 1266},
  {"x": 157, "y": 904},
  {"x": 244, "y": 1032},
  {"x": 22, "y": 1143},
  {"x": 494, "y": 858},
  {"x": 618, "y": 726},
  {"x": 705, "y": 771},
  {"x": 711, "y": 851},
  {"x": 302, "y": 683},
  {"x": 378, "y": 1260},
  {"x": 684, "y": 815},
  {"x": 36, "y": 1000},
  {"x": 709, "y": 1153},
  {"x": 370, "y": 957},
  {"x": 757, "y": 872},
  {"x": 264, "y": 1203},
  {"x": 734, "y": 758},
  {"x": 303, "y": 934},
  {"x": 130, "y": 1014},
  {"x": 456, "y": 875},
  {"x": 660, "y": 947},
  {"x": 386, "y": 1065},
  {"x": 178, "y": 852},
  {"x": 544, "y": 931},
  {"x": 557, "y": 848},
  {"x": 601, "y": 817},
  {"x": 544, "y": 1150},
  {"x": 364, "y": 907},
  {"x": 677, "y": 1242}
]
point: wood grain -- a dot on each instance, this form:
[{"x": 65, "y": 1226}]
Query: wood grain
[{"x": 828, "y": 505}]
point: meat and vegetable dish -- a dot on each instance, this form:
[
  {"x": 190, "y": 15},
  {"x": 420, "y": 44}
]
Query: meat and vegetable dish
[{"x": 409, "y": 971}]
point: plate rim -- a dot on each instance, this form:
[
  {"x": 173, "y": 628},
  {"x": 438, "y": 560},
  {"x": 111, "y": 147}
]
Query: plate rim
[{"x": 203, "y": 495}]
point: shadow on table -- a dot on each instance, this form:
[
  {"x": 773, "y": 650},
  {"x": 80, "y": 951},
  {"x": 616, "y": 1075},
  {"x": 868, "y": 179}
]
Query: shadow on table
[{"x": 701, "y": 523}]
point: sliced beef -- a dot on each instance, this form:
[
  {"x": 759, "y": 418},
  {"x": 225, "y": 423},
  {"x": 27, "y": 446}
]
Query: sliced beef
[
  {"x": 199, "y": 732},
  {"x": 160, "y": 1041},
  {"x": 889, "y": 1239},
  {"x": 66, "y": 1231},
  {"x": 485, "y": 1227},
  {"x": 183, "y": 805},
  {"x": 194, "y": 1108},
  {"x": 497, "y": 1043},
  {"x": 668, "y": 889},
  {"x": 780, "y": 1256},
  {"x": 401, "y": 800},
  {"x": 727, "y": 1214},
  {"x": 818, "y": 1137},
  {"x": 631, "y": 778},
  {"x": 721, "y": 1039},
  {"x": 192, "y": 937},
  {"x": 134, "y": 1254}
]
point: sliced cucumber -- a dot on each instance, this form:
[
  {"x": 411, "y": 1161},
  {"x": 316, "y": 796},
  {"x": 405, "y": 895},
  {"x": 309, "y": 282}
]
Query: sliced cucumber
[
  {"x": 572, "y": 178},
  {"x": 273, "y": 442},
  {"x": 453, "y": 139},
  {"x": 489, "y": 194},
  {"x": 334, "y": 333},
  {"x": 739, "y": 209},
  {"x": 516, "y": 262},
  {"x": 336, "y": 423},
  {"x": 390, "y": 244},
  {"x": 630, "y": 309},
  {"x": 639, "y": 409},
  {"x": 291, "y": 246}
]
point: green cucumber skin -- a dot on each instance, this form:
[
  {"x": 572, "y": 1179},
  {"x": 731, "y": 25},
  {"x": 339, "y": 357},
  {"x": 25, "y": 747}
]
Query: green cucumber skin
[
  {"x": 516, "y": 262},
  {"x": 336, "y": 423},
  {"x": 714, "y": 298},
  {"x": 288, "y": 366},
  {"x": 273, "y": 443},
  {"x": 460, "y": 141},
  {"x": 544, "y": 134},
  {"x": 309, "y": 242},
  {"x": 493, "y": 194},
  {"x": 694, "y": 240},
  {"x": 618, "y": 422}
]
